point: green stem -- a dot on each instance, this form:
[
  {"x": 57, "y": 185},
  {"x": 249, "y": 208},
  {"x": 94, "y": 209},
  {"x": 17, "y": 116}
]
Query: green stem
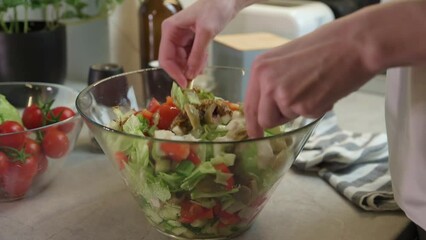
[
  {"x": 15, "y": 19},
  {"x": 16, "y": 155},
  {"x": 58, "y": 13},
  {"x": 3, "y": 24},
  {"x": 26, "y": 28}
]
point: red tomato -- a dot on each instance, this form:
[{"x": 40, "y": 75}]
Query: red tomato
[
  {"x": 146, "y": 114},
  {"x": 43, "y": 163},
  {"x": 32, "y": 147},
  {"x": 153, "y": 105},
  {"x": 60, "y": 114},
  {"x": 223, "y": 168},
  {"x": 169, "y": 101},
  {"x": 4, "y": 163},
  {"x": 176, "y": 151},
  {"x": 55, "y": 143},
  {"x": 18, "y": 176},
  {"x": 167, "y": 115},
  {"x": 121, "y": 159},
  {"x": 190, "y": 212},
  {"x": 32, "y": 117},
  {"x": 14, "y": 140},
  {"x": 194, "y": 158},
  {"x": 233, "y": 106},
  {"x": 228, "y": 218},
  {"x": 225, "y": 218}
]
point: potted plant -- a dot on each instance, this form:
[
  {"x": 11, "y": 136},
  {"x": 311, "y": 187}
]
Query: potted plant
[{"x": 33, "y": 36}]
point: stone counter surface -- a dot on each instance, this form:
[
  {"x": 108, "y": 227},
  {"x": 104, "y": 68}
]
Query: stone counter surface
[{"x": 88, "y": 200}]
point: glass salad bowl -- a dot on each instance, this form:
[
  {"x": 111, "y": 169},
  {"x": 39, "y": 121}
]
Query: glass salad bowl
[
  {"x": 38, "y": 128},
  {"x": 184, "y": 153}
]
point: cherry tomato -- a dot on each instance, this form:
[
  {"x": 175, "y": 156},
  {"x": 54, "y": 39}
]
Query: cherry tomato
[
  {"x": 55, "y": 143},
  {"x": 43, "y": 163},
  {"x": 32, "y": 117},
  {"x": 60, "y": 114},
  {"x": 167, "y": 115},
  {"x": 32, "y": 147},
  {"x": 18, "y": 176},
  {"x": 12, "y": 140},
  {"x": 4, "y": 163}
]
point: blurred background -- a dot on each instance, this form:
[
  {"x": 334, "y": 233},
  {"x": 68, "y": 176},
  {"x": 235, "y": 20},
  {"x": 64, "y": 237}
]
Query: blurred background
[{"x": 116, "y": 38}]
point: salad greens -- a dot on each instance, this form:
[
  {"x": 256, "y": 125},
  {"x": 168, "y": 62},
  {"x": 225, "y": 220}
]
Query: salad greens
[
  {"x": 7, "y": 111},
  {"x": 187, "y": 184}
]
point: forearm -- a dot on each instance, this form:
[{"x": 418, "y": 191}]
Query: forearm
[{"x": 393, "y": 34}]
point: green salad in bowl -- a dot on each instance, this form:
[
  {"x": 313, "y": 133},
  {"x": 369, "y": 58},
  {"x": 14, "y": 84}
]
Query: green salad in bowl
[{"x": 184, "y": 153}]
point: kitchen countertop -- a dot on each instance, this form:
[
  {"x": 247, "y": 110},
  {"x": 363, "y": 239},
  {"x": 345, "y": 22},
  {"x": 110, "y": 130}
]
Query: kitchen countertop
[{"x": 88, "y": 200}]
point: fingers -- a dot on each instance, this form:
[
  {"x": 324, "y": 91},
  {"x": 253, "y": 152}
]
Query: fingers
[
  {"x": 269, "y": 115},
  {"x": 198, "y": 53},
  {"x": 173, "y": 52},
  {"x": 251, "y": 108}
]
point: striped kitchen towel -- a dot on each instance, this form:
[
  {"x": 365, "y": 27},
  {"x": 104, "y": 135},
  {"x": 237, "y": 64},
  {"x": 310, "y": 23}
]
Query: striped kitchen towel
[{"x": 355, "y": 164}]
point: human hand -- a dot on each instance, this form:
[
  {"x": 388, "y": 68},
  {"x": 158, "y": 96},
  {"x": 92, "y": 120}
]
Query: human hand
[
  {"x": 307, "y": 76},
  {"x": 186, "y": 35}
]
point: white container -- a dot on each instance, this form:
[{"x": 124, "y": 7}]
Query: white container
[{"x": 290, "y": 19}]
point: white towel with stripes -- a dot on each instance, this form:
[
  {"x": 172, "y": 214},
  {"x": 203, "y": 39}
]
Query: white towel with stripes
[{"x": 355, "y": 164}]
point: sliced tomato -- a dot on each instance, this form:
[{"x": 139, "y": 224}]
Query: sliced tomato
[
  {"x": 147, "y": 114},
  {"x": 122, "y": 159},
  {"x": 169, "y": 101},
  {"x": 167, "y": 115},
  {"x": 185, "y": 215},
  {"x": 207, "y": 213},
  {"x": 225, "y": 217},
  {"x": 191, "y": 212},
  {"x": 223, "y": 168},
  {"x": 194, "y": 158},
  {"x": 176, "y": 151},
  {"x": 230, "y": 183},
  {"x": 229, "y": 219},
  {"x": 233, "y": 106},
  {"x": 153, "y": 105}
]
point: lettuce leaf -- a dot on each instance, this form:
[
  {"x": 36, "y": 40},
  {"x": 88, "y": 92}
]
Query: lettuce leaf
[
  {"x": 197, "y": 175},
  {"x": 8, "y": 112}
]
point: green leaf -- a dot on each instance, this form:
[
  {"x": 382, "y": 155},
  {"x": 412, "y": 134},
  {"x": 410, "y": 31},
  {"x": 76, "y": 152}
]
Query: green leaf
[
  {"x": 8, "y": 111},
  {"x": 197, "y": 175}
]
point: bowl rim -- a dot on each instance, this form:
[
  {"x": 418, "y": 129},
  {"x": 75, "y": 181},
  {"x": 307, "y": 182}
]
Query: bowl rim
[
  {"x": 313, "y": 122},
  {"x": 71, "y": 119}
]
